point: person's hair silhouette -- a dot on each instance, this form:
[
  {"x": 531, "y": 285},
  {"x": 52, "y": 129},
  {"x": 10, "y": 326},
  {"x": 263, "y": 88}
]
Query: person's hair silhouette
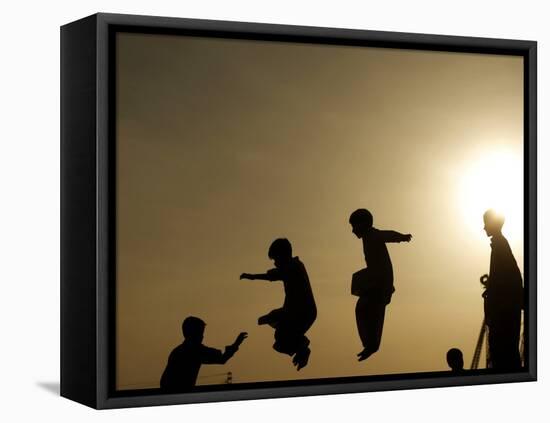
[
  {"x": 503, "y": 297},
  {"x": 373, "y": 285},
  {"x": 193, "y": 329},
  {"x": 280, "y": 249},
  {"x": 361, "y": 219},
  {"x": 296, "y": 316},
  {"x": 455, "y": 360},
  {"x": 185, "y": 360},
  {"x": 493, "y": 222}
]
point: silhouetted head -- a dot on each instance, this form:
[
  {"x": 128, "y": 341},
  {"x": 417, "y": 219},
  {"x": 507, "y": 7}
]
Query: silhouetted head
[
  {"x": 193, "y": 329},
  {"x": 280, "y": 251},
  {"x": 455, "y": 359},
  {"x": 361, "y": 222},
  {"x": 493, "y": 222}
]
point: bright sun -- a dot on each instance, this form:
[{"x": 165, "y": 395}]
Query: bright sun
[{"x": 493, "y": 180}]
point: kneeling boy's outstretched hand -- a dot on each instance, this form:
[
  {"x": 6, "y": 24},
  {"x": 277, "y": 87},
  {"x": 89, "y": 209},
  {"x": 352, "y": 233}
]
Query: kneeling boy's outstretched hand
[{"x": 240, "y": 338}]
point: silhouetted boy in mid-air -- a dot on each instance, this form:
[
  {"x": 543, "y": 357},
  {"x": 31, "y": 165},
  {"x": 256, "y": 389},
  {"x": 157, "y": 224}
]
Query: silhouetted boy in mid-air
[
  {"x": 295, "y": 317},
  {"x": 503, "y": 298},
  {"x": 455, "y": 360},
  {"x": 186, "y": 359},
  {"x": 374, "y": 285}
]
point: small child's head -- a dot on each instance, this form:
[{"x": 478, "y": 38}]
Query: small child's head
[
  {"x": 455, "y": 359},
  {"x": 280, "y": 251},
  {"x": 493, "y": 222},
  {"x": 193, "y": 329},
  {"x": 361, "y": 222}
]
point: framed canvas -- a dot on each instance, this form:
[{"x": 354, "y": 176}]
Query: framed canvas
[{"x": 257, "y": 211}]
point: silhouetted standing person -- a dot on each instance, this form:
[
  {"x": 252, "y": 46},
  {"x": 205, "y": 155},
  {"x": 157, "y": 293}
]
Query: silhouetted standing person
[
  {"x": 186, "y": 359},
  {"x": 503, "y": 298},
  {"x": 377, "y": 280},
  {"x": 455, "y": 360},
  {"x": 296, "y": 316}
]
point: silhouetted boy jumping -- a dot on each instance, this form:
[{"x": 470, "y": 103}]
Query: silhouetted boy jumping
[
  {"x": 186, "y": 359},
  {"x": 376, "y": 281},
  {"x": 295, "y": 317}
]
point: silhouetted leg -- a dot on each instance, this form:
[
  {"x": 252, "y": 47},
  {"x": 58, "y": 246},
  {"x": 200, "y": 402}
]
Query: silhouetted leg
[
  {"x": 504, "y": 343},
  {"x": 272, "y": 318},
  {"x": 303, "y": 351},
  {"x": 287, "y": 334},
  {"x": 284, "y": 342},
  {"x": 301, "y": 357},
  {"x": 370, "y": 324},
  {"x": 290, "y": 339},
  {"x": 361, "y": 319}
]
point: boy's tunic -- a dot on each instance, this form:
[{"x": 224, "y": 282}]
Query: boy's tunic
[
  {"x": 299, "y": 302},
  {"x": 379, "y": 264}
]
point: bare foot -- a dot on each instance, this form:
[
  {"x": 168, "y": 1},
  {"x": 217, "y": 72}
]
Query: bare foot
[
  {"x": 363, "y": 355},
  {"x": 264, "y": 320},
  {"x": 301, "y": 358}
]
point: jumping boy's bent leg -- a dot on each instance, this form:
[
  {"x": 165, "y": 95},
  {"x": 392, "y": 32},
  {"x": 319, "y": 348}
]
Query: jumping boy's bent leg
[
  {"x": 301, "y": 357},
  {"x": 290, "y": 339},
  {"x": 303, "y": 351},
  {"x": 286, "y": 336},
  {"x": 273, "y": 318}
]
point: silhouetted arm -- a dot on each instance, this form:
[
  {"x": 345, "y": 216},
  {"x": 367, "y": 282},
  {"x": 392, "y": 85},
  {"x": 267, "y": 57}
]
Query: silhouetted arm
[
  {"x": 394, "y": 236},
  {"x": 214, "y": 356},
  {"x": 270, "y": 275},
  {"x": 230, "y": 350},
  {"x": 255, "y": 276}
]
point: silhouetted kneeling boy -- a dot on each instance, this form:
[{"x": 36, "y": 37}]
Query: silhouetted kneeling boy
[
  {"x": 295, "y": 317},
  {"x": 377, "y": 280},
  {"x": 186, "y": 359}
]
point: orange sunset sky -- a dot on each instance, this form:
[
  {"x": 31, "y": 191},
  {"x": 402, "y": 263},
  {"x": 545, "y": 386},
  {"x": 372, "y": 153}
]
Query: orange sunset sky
[{"x": 224, "y": 145}]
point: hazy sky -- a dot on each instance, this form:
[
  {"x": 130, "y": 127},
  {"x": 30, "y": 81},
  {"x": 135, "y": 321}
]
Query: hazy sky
[{"x": 225, "y": 145}]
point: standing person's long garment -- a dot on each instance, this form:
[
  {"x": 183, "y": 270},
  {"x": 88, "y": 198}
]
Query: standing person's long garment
[{"x": 503, "y": 304}]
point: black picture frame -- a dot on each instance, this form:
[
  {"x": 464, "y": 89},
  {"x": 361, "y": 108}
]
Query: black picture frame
[{"x": 88, "y": 214}]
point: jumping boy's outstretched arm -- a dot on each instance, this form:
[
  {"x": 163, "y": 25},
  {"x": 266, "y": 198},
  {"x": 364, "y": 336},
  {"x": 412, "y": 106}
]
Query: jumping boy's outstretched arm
[
  {"x": 394, "y": 236},
  {"x": 270, "y": 275},
  {"x": 255, "y": 276}
]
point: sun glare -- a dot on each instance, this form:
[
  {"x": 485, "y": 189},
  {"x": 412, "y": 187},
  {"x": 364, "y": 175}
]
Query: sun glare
[{"x": 493, "y": 181}]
